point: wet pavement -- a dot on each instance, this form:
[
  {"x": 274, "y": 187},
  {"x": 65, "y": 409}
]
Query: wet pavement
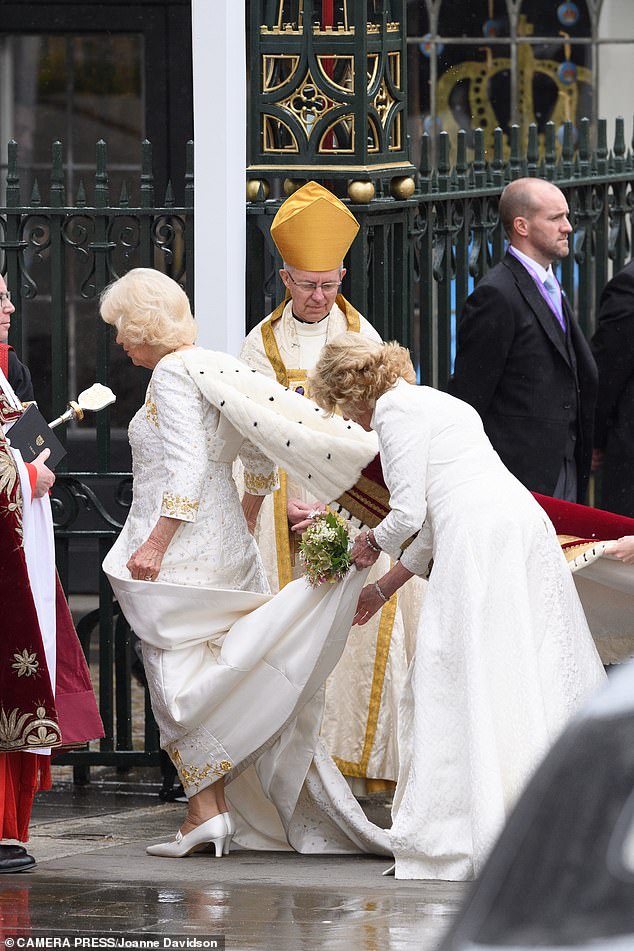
[{"x": 94, "y": 878}]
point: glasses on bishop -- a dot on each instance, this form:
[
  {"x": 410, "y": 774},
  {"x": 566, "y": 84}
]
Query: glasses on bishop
[
  {"x": 310, "y": 286},
  {"x": 5, "y": 295}
]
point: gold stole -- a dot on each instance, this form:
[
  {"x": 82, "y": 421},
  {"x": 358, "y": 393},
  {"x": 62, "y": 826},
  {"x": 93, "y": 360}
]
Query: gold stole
[
  {"x": 285, "y": 540},
  {"x": 295, "y": 380}
]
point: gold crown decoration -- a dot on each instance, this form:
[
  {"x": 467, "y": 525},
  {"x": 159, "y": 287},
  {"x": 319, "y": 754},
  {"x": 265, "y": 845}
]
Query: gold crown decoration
[
  {"x": 313, "y": 229},
  {"x": 566, "y": 79}
]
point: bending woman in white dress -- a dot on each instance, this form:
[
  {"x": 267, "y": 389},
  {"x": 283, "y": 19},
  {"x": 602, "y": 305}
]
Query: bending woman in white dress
[
  {"x": 504, "y": 655},
  {"x": 234, "y": 676}
]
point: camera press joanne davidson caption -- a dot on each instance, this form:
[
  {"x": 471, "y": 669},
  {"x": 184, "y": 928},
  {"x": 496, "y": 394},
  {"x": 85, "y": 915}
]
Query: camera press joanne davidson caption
[{"x": 141, "y": 943}]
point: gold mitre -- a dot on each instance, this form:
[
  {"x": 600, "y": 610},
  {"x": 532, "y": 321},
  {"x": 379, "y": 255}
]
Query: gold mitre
[{"x": 313, "y": 229}]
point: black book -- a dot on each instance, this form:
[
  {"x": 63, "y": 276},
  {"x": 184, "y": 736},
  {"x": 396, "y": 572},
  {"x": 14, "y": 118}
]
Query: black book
[{"x": 31, "y": 434}]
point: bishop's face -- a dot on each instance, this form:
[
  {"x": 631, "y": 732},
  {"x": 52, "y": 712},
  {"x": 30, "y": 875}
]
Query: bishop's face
[{"x": 313, "y": 292}]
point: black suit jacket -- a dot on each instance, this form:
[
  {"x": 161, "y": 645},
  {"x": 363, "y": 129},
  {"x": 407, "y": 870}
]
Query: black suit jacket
[
  {"x": 514, "y": 366},
  {"x": 613, "y": 348},
  {"x": 20, "y": 378}
]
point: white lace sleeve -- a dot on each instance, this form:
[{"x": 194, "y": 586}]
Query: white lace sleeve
[
  {"x": 177, "y": 406},
  {"x": 404, "y": 446}
]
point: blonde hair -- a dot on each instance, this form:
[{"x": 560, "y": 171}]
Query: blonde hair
[
  {"x": 353, "y": 369},
  {"x": 146, "y": 306}
]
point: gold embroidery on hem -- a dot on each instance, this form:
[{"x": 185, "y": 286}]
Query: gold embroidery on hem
[
  {"x": 195, "y": 775},
  {"x": 255, "y": 481},
  {"x": 179, "y": 506},
  {"x": 18, "y": 731}
]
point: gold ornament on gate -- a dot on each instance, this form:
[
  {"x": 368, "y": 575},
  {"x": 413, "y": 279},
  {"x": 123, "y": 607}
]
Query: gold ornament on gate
[
  {"x": 291, "y": 185},
  {"x": 253, "y": 189},
  {"x": 360, "y": 193},
  {"x": 402, "y": 187}
]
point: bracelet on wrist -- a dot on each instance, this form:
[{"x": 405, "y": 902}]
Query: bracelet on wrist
[
  {"x": 383, "y": 597},
  {"x": 371, "y": 542}
]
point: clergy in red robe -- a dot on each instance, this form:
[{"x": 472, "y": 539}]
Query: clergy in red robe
[{"x": 46, "y": 696}]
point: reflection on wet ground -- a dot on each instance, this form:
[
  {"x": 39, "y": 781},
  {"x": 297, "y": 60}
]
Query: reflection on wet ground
[
  {"x": 250, "y": 915},
  {"x": 94, "y": 877}
]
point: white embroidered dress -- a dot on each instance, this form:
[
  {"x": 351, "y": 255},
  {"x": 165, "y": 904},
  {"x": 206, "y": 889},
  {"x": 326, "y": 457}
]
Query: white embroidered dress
[
  {"x": 235, "y": 676},
  {"x": 504, "y": 655}
]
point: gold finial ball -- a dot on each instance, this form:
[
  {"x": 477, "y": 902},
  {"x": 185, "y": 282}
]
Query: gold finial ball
[
  {"x": 292, "y": 184},
  {"x": 402, "y": 187},
  {"x": 360, "y": 193},
  {"x": 253, "y": 188}
]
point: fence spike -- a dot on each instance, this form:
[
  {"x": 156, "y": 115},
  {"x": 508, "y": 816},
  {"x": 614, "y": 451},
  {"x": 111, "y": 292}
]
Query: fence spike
[
  {"x": 124, "y": 198},
  {"x": 36, "y": 198},
  {"x": 13, "y": 179},
  {"x": 57, "y": 175},
  {"x": 602, "y": 147},
  {"x": 169, "y": 195},
  {"x": 584, "y": 146},
  {"x": 515, "y": 163},
  {"x": 80, "y": 201},
  {"x": 102, "y": 191},
  {"x": 498, "y": 156},
  {"x": 619, "y": 144},
  {"x": 567, "y": 150},
  {"x": 479, "y": 164},
  {"x": 532, "y": 151},
  {"x": 444, "y": 145},
  {"x": 147, "y": 177},
  {"x": 550, "y": 151},
  {"x": 461, "y": 158},
  {"x": 425, "y": 163}
]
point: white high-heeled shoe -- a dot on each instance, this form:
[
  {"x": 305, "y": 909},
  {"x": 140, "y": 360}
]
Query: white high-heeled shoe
[
  {"x": 231, "y": 831},
  {"x": 212, "y": 831}
]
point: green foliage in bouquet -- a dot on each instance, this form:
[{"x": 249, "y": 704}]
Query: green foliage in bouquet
[{"x": 324, "y": 550}]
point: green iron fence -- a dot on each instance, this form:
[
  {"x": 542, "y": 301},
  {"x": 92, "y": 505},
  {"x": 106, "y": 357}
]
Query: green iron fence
[{"x": 409, "y": 271}]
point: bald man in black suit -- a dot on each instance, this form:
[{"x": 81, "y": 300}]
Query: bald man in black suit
[{"x": 522, "y": 360}]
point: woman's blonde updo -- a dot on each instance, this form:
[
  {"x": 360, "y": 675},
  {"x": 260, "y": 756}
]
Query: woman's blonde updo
[
  {"x": 354, "y": 369},
  {"x": 146, "y": 306}
]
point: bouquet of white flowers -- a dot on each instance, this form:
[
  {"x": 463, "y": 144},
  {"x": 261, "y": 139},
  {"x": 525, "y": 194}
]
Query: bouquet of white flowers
[{"x": 324, "y": 550}]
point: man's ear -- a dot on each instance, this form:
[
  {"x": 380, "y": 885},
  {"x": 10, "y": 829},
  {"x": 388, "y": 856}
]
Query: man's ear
[{"x": 520, "y": 225}]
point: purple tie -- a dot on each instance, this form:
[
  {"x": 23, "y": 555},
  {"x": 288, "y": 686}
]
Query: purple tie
[{"x": 554, "y": 292}]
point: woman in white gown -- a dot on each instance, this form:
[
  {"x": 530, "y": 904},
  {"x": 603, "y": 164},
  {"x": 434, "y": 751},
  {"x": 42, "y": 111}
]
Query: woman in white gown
[
  {"x": 504, "y": 655},
  {"x": 231, "y": 687}
]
